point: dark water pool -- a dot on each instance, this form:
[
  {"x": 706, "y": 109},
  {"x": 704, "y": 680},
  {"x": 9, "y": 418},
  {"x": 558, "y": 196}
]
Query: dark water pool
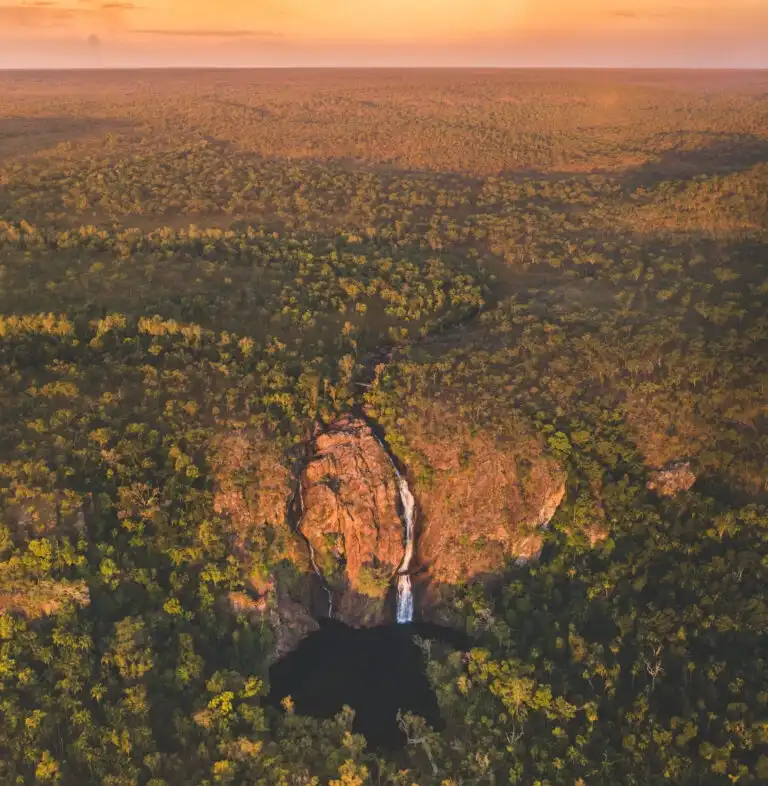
[{"x": 376, "y": 671}]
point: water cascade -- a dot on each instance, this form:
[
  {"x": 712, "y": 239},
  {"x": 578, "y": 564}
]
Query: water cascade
[{"x": 404, "y": 586}]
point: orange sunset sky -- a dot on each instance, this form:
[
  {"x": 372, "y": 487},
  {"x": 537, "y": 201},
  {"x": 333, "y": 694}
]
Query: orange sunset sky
[{"x": 686, "y": 33}]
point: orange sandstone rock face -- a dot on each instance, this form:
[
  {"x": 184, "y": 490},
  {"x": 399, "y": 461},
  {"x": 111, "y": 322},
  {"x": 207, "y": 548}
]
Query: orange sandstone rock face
[
  {"x": 484, "y": 494},
  {"x": 672, "y": 479},
  {"x": 351, "y": 518},
  {"x": 484, "y": 505},
  {"x": 481, "y": 502},
  {"x": 252, "y": 491}
]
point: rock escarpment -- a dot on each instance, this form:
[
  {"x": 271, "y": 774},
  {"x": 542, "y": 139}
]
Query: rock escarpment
[
  {"x": 485, "y": 502},
  {"x": 289, "y": 619},
  {"x": 351, "y": 519},
  {"x": 252, "y": 490},
  {"x": 481, "y": 502},
  {"x": 252, "y": 493}
]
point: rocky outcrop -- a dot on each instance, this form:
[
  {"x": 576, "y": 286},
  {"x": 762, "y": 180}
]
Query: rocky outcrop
[
  {"x": 291, "y": 624},
  {"x": 484, "y": 495},
  {"x": 672, "y": 479},
  {"x": 351, "y": 519},
  {"x": 252, "y": 491},
  {"x": 289, "y": 620},
  {"x": 485, "y": 504},
  {"x": 482, "y": 501}
]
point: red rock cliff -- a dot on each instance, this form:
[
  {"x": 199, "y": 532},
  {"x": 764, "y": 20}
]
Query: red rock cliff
[{"x": 351, "y": 518}]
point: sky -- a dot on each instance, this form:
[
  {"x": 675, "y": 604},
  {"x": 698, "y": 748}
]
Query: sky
[{"x": 592, "y": 33}]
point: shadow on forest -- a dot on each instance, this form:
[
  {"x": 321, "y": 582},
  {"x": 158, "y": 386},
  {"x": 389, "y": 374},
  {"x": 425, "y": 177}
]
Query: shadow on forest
[
  {"x": 31, "y": 134},
  {"x": 729, "y": 493},
  {"x": 726, "y": 153}
]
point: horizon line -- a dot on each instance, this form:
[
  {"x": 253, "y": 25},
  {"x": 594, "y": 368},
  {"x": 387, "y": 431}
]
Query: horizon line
[{"x": 375, "y": 67}]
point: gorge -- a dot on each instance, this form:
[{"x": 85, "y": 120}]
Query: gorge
[
  {"x": 358, "y": 517},
  {"x": 378, "y": 670},
  {"x": 387, "y": 564}
]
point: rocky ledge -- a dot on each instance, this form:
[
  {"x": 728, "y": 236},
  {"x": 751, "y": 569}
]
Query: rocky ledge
[{"x": 484, "y": 503}]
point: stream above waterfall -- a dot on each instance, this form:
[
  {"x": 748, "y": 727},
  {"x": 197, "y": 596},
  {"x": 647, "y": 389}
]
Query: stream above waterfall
[{"x": 375, "y": 671}]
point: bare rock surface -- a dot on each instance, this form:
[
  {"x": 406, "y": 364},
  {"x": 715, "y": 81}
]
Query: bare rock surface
[
  {"x": 484, "y": 506},
  {"x": 482, "y": 501},
  {"x": 485, "y": 494},
  {"x": 252, "y": 492},
  {"x": 673, "y": 479},
  {"x": 252, "y": 489},
  {"x": 291, "y": 624}
]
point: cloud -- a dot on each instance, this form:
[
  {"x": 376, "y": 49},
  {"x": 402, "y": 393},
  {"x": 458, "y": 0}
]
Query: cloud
[
  {"x": 629, "y": 13},
  {"x": 270, "y": 35},
  {"x": 46, "y": 15},
  {"x": 35, "y": 16}
]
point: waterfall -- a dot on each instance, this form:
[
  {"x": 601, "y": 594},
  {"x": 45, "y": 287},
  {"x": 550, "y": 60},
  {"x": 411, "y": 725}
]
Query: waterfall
[{"x": 404, "y": 586}]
